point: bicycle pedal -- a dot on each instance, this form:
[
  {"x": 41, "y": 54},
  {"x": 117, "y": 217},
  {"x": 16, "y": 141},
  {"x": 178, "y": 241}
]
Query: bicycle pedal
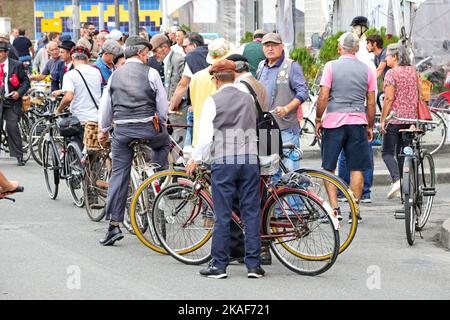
[
  {"x": 429, "y": 192},
  {"x": 399, "y": 215}
]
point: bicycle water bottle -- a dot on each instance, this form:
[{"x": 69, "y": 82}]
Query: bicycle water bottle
[{"x": 295, "y": 155}]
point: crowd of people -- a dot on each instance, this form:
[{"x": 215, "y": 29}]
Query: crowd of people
[{"x": 135, "y": 81}]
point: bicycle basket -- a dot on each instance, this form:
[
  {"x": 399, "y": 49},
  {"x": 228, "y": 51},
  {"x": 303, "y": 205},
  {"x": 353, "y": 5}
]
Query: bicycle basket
[
  {"x": 68, "y": 126},
  {"x": 269, "y": 165}
]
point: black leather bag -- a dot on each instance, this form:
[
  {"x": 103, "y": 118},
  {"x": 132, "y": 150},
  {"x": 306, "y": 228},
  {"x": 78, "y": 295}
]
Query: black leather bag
[
  {"x": 69, "y": 126},
  {"x": 269, "y": 133}
]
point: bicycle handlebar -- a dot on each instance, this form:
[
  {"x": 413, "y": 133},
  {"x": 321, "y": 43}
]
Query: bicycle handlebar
[{"x": 393, "y": 115}]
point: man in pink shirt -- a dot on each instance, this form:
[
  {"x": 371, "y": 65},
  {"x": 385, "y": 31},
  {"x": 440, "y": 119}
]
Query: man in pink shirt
[{"x": 343, "y": 121}]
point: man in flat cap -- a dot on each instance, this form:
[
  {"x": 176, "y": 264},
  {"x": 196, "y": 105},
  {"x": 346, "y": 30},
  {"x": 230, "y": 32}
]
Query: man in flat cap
[
  {"x": 134, "y": 102},
  {"x": 228, "y": 132},
  {"x": 286, "y": 90},
  {"x": 14, "y": 84},
  {"x": 111, "y": 49}
]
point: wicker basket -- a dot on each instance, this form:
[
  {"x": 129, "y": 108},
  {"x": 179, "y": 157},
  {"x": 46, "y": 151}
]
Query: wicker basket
[
  {"x": 26, "y": 104},
  {"x": 90, "y": 139},
  {"x": 427, "y": 87}
]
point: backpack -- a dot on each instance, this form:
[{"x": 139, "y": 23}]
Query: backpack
[{"x": 268, "y": 130}]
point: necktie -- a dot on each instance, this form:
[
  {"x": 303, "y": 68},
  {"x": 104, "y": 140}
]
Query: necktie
[
  {"x": 65, "y": 68},
  {"x": 2, "y": 73}
]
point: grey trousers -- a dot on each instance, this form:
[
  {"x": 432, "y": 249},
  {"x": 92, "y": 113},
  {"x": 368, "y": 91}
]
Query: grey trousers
[
  {"x": 122, "y": 158},
  {"x": 11, "y": 115}
]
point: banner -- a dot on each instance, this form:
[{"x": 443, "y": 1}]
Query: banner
[{"x": 285, "y": 21}]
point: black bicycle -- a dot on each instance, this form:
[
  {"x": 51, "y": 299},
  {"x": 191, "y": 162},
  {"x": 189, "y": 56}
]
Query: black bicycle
[
  {"x": 418, "y": 177},
  {"x": 66, "y": 165}
]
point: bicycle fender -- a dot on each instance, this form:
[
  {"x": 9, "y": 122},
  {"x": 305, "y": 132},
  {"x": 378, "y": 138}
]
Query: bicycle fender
[{"x": 405, "y": 175}]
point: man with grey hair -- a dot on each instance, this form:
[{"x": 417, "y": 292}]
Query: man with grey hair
[
  {"x": 135, "y": 104},
  {"x": 343, "y": 121}
]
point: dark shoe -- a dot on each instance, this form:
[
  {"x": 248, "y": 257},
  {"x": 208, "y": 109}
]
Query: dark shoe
[
  {"x": 112, "y": 235},
  {"x": 256, "y": 273},
  {"x": 266, "y": 257},
  {"x": 214, "y": 272},
  {"x": 20, "y": 162}
]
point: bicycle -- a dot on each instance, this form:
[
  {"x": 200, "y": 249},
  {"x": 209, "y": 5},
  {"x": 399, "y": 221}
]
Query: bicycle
[
  {"x": 292, "y": 223},
  {"x": 142, "y": 202},
  {"x": 66, "y": 165},
  {"x": 418, "y": 178}
]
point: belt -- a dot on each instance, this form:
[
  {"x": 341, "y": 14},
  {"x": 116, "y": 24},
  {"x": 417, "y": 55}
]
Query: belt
[{"x": 130, "y": 124}]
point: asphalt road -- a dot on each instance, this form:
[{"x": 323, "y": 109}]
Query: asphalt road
[{"x": 49, "y": 250}]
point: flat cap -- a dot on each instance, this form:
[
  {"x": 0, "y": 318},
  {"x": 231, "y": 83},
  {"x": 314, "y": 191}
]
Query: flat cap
[
  {"x": 137, "y": 41},
  {"x": 113, "y": 47},
  {"x": 159, "y": 40},
  {"x": 222, "y": 66},
  {"x": 349, "y": 41},
  {"x": 272, "y": 37},
  {"x": 259, "y": 32},
  {"x": 237, "y": 57},
  {"x": 65, "y": 37},
  {"x": 4, "y": 36}
]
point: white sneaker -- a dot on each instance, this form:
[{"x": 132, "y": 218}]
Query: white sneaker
[{"x": 395, "y": 191}]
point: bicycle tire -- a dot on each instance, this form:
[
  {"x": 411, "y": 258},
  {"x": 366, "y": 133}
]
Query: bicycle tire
[
  {"x": 349, "y": 208},
  {"x": 313, "y": 245},
  {"x": 308, "y": 136},
  {"x": 97, "y": 174},
  {"x": 183, "y": 233},
  {"x": 50, "y": 164},
  {"x": 75, "y": 173},
  {"x": 33, "y": 140},
  {"x": 427, "y": 182},
  {"x": 436, "y": 133},
  {"x": 408, "y": 190},
  {"x": 24, "y": 128},
  {"x": 142, "y": 204}
]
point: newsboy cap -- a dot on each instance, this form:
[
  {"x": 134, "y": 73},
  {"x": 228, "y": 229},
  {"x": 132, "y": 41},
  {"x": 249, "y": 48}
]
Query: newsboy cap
[
  {"x": 159, "y": 40},
  {"x": 138, "y": 41},
  {"x": 222, "y": 66},
  {"x": 272, "y": 37},
  {"x": 113, "y": 47}
]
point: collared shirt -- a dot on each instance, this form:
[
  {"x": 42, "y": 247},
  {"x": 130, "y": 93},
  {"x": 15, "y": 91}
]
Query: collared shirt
[
  {"x": 162, "y": 105},
  {"x": 49, "y": 67},
  {"x": 104, "y": 68},
  {"x": 166, "y": 63},
  {"x": 206, "y": 128},
  {"x": 269, "y": 76},
  {"x": 6, "y": 77},
  {"x": 336, "y": 119}
]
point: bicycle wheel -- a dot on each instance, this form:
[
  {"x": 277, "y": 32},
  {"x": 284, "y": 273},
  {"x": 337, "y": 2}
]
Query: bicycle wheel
[
  {"x": 142, "y": 205},
  {"x": 308, "y": 134},
  {"x": 96, "y": 179},
  {"x": 33, "y": 140},
  {"x": 299, "y": 237},
  {"x": 50, "y": 162},
  {"x": 436, "y": 135},
  {"x": 320, "y": 181},
  {"x": 75, "y": 174},
  {"x": 427, "y": 190},
  {"x": 409, "y": 198},
  {"x": 25, "y": 127},
  {"x": 181, "y": 219}
]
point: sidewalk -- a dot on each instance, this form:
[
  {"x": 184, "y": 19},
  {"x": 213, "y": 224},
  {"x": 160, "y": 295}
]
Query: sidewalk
[{"x": 312, "y": 158}]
